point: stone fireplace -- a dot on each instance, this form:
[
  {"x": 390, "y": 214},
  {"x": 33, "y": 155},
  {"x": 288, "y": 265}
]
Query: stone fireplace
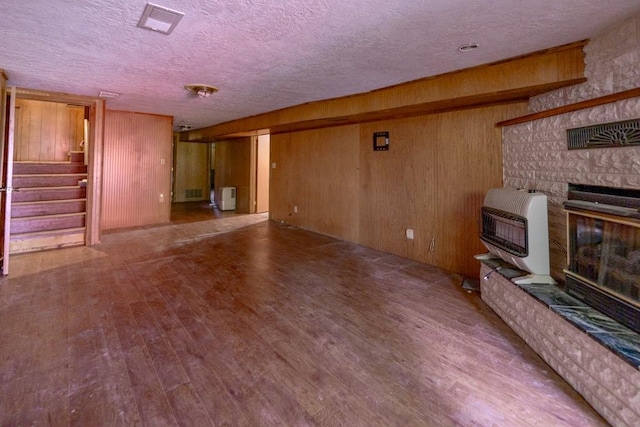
[{"x": 598, "y": 356}]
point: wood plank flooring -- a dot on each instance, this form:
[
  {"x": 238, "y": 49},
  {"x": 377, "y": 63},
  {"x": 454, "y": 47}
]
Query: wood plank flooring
[{"x": 240, "y": 321}]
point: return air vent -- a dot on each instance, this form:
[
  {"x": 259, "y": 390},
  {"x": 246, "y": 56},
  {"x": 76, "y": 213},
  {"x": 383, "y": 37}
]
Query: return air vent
[
  {"x": 617, "y": 134},
  {"x": 159, "y": 19},
  {"x": 193, "y": 193}
]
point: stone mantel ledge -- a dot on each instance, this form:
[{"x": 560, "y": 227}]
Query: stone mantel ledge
[{"x": 596, "y": 355}]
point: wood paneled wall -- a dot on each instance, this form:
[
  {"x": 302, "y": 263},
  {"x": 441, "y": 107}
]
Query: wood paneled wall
[
  {"x": 47, "y": 131},
  {"x": 432, "y": 180},
  {"x": 136, "y": 169},
  {"x": 317, "y": 172},
  {"x": 233, "y": 169},
  {"x": 192, "y": 172}
]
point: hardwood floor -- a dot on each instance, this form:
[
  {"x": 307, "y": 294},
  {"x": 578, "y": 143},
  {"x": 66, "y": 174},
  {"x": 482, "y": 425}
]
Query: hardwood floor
[{"x": 240, "y": 321}]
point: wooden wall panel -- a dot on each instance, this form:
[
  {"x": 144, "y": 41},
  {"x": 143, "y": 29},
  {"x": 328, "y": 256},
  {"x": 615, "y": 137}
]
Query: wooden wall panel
[
  {"x": 432, "y": 180},
  {"x": 398, "y": 187},
  {"x": 136, "y": 169},
  {"x": 317, "y": 172},
  {"x": 469, "y": 163},
  {"x": 233, "y": 169},
  {"x": 192, "y": 172},
  {"x": 47, "y": 131}
]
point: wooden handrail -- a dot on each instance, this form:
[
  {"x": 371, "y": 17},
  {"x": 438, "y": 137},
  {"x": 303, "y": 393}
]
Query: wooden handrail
[{"x": 607, "y": 99}]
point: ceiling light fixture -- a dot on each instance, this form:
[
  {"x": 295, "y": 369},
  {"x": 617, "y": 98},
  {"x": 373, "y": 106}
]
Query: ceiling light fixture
[
  {"x": 160, "y": 19},
  {"x": 203, "y": 91},
  {"x": 468, "y": 47}
]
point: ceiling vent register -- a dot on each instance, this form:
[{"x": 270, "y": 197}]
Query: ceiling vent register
[
  {"x": 617, "y": 134},
  {"x": 159, "y": 18}
]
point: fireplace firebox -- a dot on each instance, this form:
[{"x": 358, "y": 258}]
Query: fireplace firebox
[{"x": 603, "y": 234}]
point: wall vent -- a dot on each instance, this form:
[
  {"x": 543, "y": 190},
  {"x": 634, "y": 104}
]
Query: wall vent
[
  {"x": 193, "y": 193},
  {"x": 617, "y": 134}
]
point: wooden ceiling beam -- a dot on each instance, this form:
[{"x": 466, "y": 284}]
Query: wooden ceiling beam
[{"x": 512, "y": 80}]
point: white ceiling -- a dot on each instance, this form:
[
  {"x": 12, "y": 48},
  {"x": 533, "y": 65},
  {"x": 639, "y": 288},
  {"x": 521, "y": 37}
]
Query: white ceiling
[{"x": 269, "y": 54}]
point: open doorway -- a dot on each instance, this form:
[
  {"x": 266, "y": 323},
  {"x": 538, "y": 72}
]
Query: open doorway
[
  {"x": 262, "y": 173},
  {"x": 202, "y": 170},
  {"x": 50, "y": 170}
]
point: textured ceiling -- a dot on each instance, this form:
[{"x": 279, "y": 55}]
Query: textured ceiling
[{"x": 269, "y": 54}]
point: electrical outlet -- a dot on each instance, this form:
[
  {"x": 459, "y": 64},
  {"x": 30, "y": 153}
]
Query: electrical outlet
[
  {"x": 409, "y": 233},
  {"x": 295, "y": 209},
  {"x": 161, "y": 198}
]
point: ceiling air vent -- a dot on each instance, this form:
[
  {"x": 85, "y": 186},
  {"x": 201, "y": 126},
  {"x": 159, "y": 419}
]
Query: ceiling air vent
[{"x": 160, "y": 19}]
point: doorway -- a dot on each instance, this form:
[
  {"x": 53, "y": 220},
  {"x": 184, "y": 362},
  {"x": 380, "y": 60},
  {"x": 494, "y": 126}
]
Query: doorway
[
  {"x": 50, "y": 129},
  {"x": 201, "y": 169},
  {"x": 262, "y": 173}
]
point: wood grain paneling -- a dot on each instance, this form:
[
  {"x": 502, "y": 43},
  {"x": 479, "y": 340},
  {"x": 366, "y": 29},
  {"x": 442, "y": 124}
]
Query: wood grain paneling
[
  {"x": 505, "y": 81},
  {"x": 136, "y": 169},
  {"x": 192, "y": 172},
  {"x": 317, "y": 172},
  {"x": 469, "y": 163},
  {"x": 47, "y": 131},
  {"x": 233, "y": 169},
  {"x": 432, "y": 180},
  {"x": 398, "y": 187}
]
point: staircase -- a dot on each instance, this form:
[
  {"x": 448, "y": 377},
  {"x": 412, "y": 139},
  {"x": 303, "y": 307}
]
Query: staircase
[{"x": 49, "y": 208}]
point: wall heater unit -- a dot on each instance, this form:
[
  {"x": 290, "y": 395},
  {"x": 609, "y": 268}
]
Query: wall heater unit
[
  {"x": 514, "y": 227},
  {"x": 227, "y": 198}
]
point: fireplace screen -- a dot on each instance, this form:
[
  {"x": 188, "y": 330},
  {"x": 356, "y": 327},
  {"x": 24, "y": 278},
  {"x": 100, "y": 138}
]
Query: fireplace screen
[{"x": 607, "y": 254}]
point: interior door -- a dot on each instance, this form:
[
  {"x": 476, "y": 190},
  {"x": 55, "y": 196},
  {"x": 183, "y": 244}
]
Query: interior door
[{"x": 6, "y": 174}]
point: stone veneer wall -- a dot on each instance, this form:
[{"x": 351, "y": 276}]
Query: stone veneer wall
[{"x": 535, "y": 154}]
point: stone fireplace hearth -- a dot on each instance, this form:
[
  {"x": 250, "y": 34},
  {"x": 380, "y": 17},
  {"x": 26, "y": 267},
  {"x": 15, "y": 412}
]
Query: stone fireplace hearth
[{"x": 599, "y": 357}]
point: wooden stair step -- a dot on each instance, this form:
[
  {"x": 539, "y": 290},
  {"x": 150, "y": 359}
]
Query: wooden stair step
[
  {"x": 24, "y": 168},
  {"x": 76, "y": 156},
  {"x": 47, "y": 180},
  {"x": 33, "y": 194},
  {"x": 47, "y": 222},
  {"x": 47, "y": 207},
  {"x": 45, "y": 240}
]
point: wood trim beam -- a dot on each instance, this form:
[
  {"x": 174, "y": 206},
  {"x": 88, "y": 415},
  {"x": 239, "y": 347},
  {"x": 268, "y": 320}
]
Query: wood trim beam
[
  {"x": 500, "y": 82},
  {"x": 39, "y": 95},
  {"x": 590, "y": 103},
  {"x": 502, "y": 97}
]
